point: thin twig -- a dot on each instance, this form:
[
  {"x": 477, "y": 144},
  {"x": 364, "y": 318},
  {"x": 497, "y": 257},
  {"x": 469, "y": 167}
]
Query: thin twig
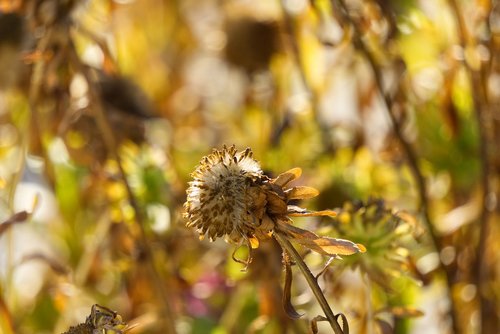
[
  {"x": 484, "y": 120},
  {"x": 311, "y": 280},
  {"x": 407, "y": 148}
]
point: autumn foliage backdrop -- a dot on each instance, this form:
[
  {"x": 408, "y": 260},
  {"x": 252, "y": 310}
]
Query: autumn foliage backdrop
[{"x": 390, "y": 108}]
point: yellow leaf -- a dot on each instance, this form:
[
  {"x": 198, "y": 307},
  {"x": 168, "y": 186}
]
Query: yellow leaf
[{"x": 288, "y": 176}]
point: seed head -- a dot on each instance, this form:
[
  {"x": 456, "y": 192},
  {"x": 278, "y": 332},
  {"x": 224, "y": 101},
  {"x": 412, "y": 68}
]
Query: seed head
[{"x": 224, "y": 195}]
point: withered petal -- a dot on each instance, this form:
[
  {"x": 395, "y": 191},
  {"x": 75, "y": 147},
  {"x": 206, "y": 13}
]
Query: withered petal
[
  {"x": 296, "y": 211},
  {"x": 284, "y": 178},
  {"x": 301, "y": 192},
  {"x": 330, "y": 246},
  {"x": 322, "y": 245},
  {"x": 275, "y": 204}
]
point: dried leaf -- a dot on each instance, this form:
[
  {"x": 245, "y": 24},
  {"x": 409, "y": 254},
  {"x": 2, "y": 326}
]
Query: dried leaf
[
  {"x": 301, "y": 192},
  {"x": 345, "y": 324},
  {"x": 287, "y": 293},
  {"x": 288, "y": 176}
]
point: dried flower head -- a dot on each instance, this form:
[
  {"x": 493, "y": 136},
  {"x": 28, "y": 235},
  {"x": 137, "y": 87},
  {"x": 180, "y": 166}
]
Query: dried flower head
[
  {"x": 231, "y": 197},
  {"x": 223, "y": 196}
]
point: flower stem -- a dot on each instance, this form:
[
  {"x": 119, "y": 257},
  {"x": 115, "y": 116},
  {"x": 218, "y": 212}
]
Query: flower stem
[{"x": 311, "y": 280}]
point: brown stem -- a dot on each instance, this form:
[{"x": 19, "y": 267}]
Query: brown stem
[
  {"x": 484, "y": 121},
  {"x": 407, "y": 148},
  {"x": 311, "y": 280}
]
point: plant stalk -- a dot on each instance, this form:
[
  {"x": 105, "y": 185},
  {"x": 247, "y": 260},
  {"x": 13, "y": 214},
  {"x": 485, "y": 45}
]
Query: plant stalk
[{"x": 311, "y": 280}]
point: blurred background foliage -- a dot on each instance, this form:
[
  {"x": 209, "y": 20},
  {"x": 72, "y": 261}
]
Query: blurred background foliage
[{"x": 391, "y": 108}]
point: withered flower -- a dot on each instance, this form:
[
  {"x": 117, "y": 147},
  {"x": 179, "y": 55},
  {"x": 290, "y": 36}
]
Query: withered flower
[{"x": 231, "y": 197}]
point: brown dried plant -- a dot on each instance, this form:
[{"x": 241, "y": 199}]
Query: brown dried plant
[{"x": 231, "y": 197}]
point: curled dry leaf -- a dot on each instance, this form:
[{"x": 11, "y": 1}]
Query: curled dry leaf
[
  {"x": 314, "y": 323},
  {"x": 287, "y": 293},
  {"x": 284, "y": 178}
]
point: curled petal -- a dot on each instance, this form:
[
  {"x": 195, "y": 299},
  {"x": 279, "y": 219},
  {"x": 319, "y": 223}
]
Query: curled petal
[
  {"x": 284, "y": 178},
  {"x": 345, "y": 324}
]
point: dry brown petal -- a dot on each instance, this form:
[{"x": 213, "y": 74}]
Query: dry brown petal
[
  {"x": 276, "y": 205},
  {"x": 284, "y": 178},
  {"x": 322, "y": 245},
  {"x": 330, "y": 246},
  {"x": 301, "y": 192},
  {"x": 296, "y": 211}
]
